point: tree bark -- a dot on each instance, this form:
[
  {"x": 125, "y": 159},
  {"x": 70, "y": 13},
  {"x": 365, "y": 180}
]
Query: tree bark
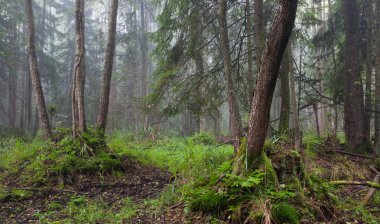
[
  {"x": 377, "y": 80},
  {"x": 285, "y": 94},
  {"x": 108, "y": 65},
  {"x": 368, "y": 77},
  {"x": 35, "y": 75},
  {"x": 293, "y": 104},
  {"x": 79, "y": 76},
  {"x": 267, "y": 77},
  {"x": 353, "y": 90},
  {"x": 259, "y": 31},
  {"x": 144, "y": 63},
  {"x": 250, "y": 74},
  {"x": 236, "y": 125}
]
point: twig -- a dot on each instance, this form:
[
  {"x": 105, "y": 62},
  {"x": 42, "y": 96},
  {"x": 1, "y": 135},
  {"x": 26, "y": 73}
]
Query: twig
[
  {"x": 363, "y": 183},
  {"x": 46, "y": 189}
]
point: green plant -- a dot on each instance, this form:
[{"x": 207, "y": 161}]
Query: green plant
[
  {"x": 284, "y": 213},
  {"x": 203, "y": 138}
]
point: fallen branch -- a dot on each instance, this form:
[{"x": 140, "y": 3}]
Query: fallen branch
[
  {"x": 46, "y": 189},
  {"x": 355, "y": 155},
  {"x": 371, "y": 191},
  {"x": 363, "y": 183}
]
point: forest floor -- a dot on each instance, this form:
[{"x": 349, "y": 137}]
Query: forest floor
[
  {"x": 158, "y": 181},
  {"x": 138, "y": 183}
]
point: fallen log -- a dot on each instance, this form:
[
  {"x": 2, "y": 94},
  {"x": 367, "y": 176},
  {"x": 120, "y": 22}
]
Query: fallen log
[
  {"x": 363, "y": 183},
  {"x": 354, "y": 155},
  {"x": 371, "y": 191}
]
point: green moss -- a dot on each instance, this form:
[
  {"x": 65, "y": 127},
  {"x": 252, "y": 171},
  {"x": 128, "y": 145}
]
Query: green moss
[
  {"x": 377, "y": 164},
  {"x": 285, "y": 213},
  {"x": 267, "y": 167},
  {"x": 209, "y": 202}
]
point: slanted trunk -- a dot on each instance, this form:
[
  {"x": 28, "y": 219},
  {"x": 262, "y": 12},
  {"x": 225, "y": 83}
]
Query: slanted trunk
[
  {"x": 267, "y": 77},
  {"x": 236, "y": 125},
  {"x": 353, "y": 90},
  {"x": 35, "y": 75},
  {"x": 108, "y": 65}
]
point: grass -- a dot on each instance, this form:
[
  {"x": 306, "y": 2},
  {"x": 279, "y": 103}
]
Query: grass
[{"x": 196, "y": 163}]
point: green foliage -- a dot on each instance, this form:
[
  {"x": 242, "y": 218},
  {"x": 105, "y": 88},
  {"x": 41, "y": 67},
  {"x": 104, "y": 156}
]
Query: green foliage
[
  {"x": 81, "y": 209},
  {"x": 42, "y": 161},
  {"x": 377, "y": 164},
  {"x": 14, "y": 195},
  {"x": 203, "y": 138},
  {"x": 284, "y": 213},
  {"x": 209, "y": 202}
]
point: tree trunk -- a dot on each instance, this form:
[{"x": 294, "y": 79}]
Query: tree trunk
[
  {"x": 368, "y": 77},
  {"x": 144, "y": 63},
  {"x": 108, "y": 65},
  {"x": 293, "y": 102},
  {"x": 79, "y": 76},
  {"x": 377, "y": 77},
  {"x": 236, "y": 125},
  {"x": 353, "y": 90},
  {"x": 250, "y": 75},
  {"x": 267, "y": 77},
  {"x": 285, "y": 94},
  {"x": 259, "y": 31},
  {"x": 35, "y": 75}
]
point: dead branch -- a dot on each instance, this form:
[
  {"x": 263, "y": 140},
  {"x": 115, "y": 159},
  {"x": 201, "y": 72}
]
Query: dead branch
[
  {"x": 363, "y": 183},
  {"x": 371, "y": 191}
]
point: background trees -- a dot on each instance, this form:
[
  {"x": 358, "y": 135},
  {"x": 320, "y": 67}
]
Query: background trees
[{"x": 169, "y": 75}]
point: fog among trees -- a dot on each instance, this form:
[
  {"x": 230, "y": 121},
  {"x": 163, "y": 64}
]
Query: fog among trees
[{"x": 190, "y": 111}]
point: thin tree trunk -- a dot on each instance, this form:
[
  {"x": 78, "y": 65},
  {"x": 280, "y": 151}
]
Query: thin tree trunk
[
  {"x": 353, "y": 94},
  {"x": 285, "y": 93},
  {"x": 79, "y": 76},
  {"x": 259, "y": 31},
  {"x": 250, "y": 74},
  {"x": 34, "y": 72},
  {"x": 267, "y": 78},
  {"x": 368, "y": 77},
  {"x": 144, "y": 62},
  {"x": 108, "y": 65},
  {"x": 236, "y": 125},
  {"x": 377, "y": 77},
  {"x": 293, "y": 102}
]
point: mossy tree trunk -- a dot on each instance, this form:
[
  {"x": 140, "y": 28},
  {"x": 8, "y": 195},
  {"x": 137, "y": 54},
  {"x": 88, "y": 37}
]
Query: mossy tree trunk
[{"x": 267, "y": 78}]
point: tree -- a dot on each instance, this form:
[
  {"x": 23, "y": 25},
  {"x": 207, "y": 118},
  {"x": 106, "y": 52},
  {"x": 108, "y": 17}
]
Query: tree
[
  {"x": 78, "y": 112},
  {"x": 293, "y": 101},
  {"x": 285, "y": 93},
  {"x": 260, "y": 30},
  {"x": 108, "y": 65},
  {"x": 267, "y": 78},
  {"x": 236, "y": 125},
  {"x": 354, "y": 113},
  {"x": 377, "y": 77},
  {"x": 34, "y": 73}
]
